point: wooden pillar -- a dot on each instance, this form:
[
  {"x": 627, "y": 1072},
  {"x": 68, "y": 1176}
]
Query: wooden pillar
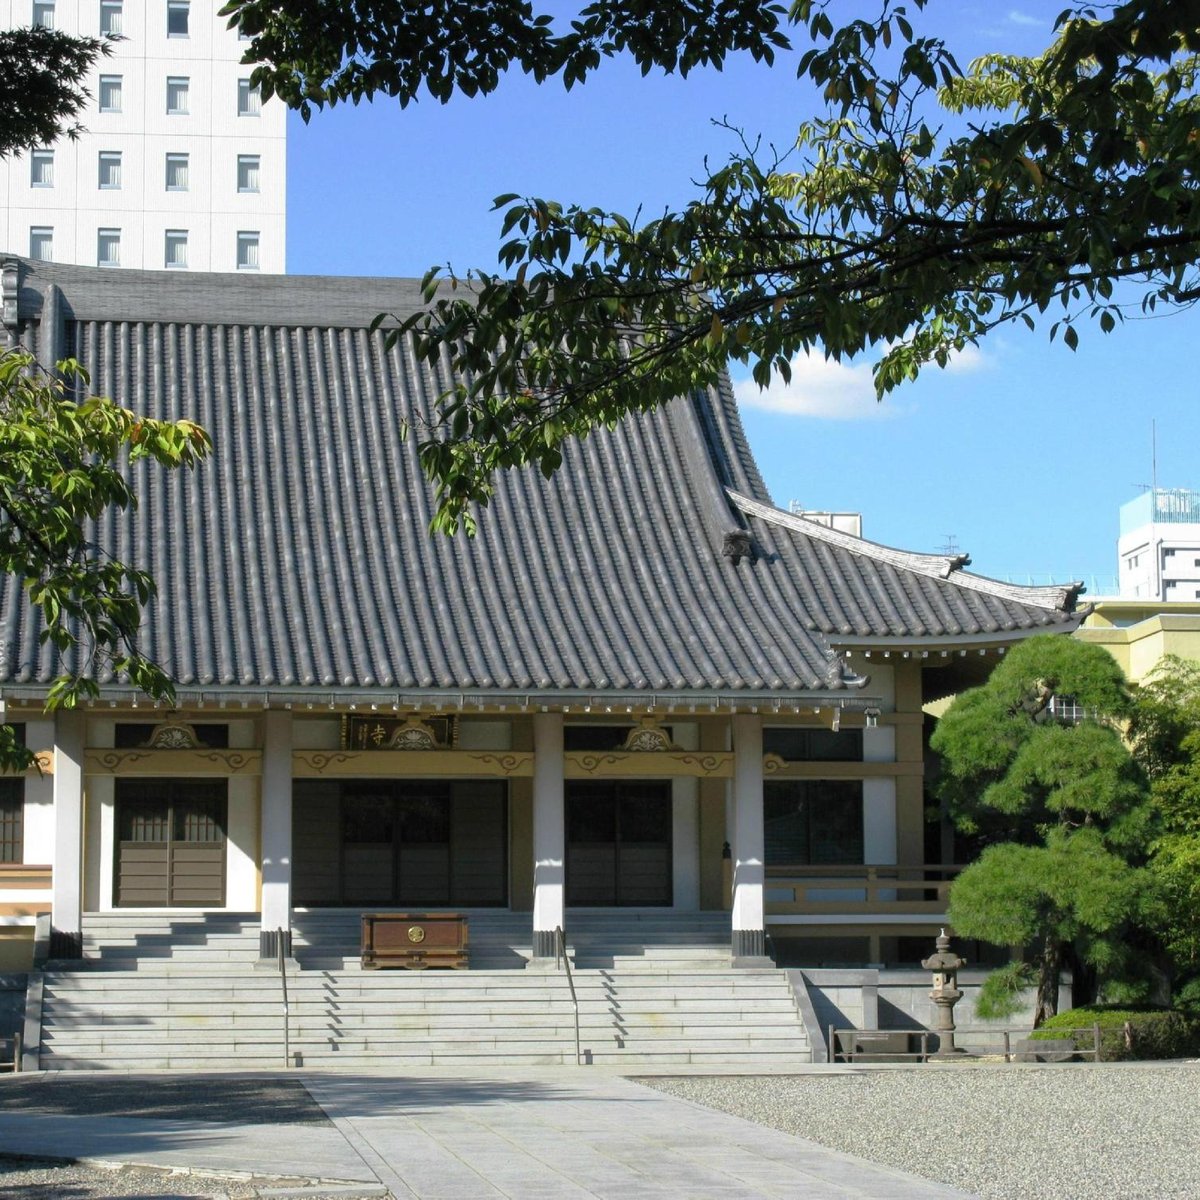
[
  {"x": 713, "y": 738},
  {"x": 910, "y": 789}
]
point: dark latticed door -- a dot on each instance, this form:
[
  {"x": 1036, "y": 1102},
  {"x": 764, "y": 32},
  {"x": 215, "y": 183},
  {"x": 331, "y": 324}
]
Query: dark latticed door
[
  {"x": 170, "y": 843},
  {"x": 619, "y": 844}
]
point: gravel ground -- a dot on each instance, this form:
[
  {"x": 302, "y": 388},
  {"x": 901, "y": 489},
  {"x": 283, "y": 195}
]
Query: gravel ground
[
  {"x": 42, "y": 1179},
  {"x": 1108, "y": 1132}
]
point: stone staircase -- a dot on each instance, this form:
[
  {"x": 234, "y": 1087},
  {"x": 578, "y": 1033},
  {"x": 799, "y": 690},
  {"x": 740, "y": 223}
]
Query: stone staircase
[{"x": 185, "y": 993}]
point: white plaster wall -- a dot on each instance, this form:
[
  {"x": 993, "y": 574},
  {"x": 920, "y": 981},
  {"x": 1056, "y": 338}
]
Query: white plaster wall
[
  {"x": 879, "y": 744},
  {"x": 879, "y": 821},
  {"x": 316, "y": 734},
  {"x": 883, "y": 679},
  {"x": 484, "y": 735}
]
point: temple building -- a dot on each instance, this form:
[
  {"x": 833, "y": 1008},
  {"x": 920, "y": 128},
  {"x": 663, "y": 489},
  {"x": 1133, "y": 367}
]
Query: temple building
[{"x": 641, "y": 686}]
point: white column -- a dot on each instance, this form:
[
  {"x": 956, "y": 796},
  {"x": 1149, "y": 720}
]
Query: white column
[
  {"x": 749, "y": 932},
  {"x": 276, "y": 834},
  {"x": 66, "y": 919},
  {"x": 549, "y": 831}
]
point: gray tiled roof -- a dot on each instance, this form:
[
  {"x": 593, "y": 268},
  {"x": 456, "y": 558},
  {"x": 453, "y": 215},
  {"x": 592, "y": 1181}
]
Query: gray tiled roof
[{"x": 298, "y": 557}]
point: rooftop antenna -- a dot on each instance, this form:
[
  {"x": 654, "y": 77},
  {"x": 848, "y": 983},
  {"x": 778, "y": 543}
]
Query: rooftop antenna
[
  {"x": 950, "y": 546},
  {"x": 1153, "y": 456}
]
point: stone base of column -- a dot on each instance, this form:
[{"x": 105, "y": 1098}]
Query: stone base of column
[
  {"x": 268, "y": 944},
  {"x": 65, "y": 944},
  {"x": 750, "y": 948},
  {"x": 545, "y": 943}
]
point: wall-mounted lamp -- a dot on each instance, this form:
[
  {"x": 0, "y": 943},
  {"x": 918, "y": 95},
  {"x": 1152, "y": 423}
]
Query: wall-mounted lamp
[{"x": 871, "y": 717}]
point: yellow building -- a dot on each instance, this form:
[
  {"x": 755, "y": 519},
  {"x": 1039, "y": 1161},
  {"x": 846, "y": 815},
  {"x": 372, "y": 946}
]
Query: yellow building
[{"x": 1137, "y": 633}]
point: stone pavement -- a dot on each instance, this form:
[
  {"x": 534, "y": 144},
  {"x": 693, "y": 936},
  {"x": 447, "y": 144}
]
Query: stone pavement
[{"x": 553, "y": 1134}]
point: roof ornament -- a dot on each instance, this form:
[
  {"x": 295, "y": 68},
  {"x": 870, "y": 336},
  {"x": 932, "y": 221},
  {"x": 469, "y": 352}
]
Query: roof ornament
[
  {"x": 414, "y": 734},
  {"x": 738, "y": 546},
  {"x": 649, "y": 737},
  {"x": 10, "y": 286},
  {"x": 173, "y": 735},
  {"x": 838, "y": 675}
]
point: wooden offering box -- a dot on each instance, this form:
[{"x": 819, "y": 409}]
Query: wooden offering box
[{"x": 414, "y": 940}]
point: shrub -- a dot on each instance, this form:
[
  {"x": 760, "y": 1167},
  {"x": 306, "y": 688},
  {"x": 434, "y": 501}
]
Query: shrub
[{"x": 1154, "y": 1032}]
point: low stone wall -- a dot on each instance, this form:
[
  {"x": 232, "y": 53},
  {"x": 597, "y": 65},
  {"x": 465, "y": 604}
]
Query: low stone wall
[
  {"x": 12, "y": 1003},
  {"x": 898, "y": 998}
]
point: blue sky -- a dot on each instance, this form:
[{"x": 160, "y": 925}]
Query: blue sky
[{"x": 1023, "y": 451}]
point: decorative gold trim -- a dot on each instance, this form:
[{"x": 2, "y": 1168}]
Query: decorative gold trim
[
  {"x": 316, "y": 764},
  {"x": 648, "y": 738},
  {"x": 173, "y": 735},
  {"x": 772, "y": 763},
  {"x": 399, "y": 731},
  {"x": 777, "y": 768},
  {"x": 172, "y": 762},
  {"x": 414, "y": 735},
  {"x": 655, "y": 764}
]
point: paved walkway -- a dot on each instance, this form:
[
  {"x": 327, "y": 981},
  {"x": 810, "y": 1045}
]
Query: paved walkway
[{"x": 548, "y": 1135}]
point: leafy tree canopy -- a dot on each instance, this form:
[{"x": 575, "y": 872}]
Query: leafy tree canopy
[
  {"x": 325, "y": 52},
  {"x": 1166, "y": 736},
  {"x": 42, "y": 76},
  {"x": 924, "y": 208},
  {"x": 61, "y": 452},
  {"x": 1034, "y": 763}
]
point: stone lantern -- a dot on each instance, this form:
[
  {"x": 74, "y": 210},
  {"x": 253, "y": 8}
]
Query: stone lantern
[{"x": 944, "y": 964}]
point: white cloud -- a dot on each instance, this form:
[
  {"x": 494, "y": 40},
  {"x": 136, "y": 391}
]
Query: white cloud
[
  {"x": 836, "y": 391},
  {"x": 818, "y": 388},
  {"x": 1019, "y": 18},
  {"x": 965, "y": 361}
]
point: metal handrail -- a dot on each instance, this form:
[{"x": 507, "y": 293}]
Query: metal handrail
[
  {"x": 561, "y": 960},
  {"x": 287, "y": 1050}
]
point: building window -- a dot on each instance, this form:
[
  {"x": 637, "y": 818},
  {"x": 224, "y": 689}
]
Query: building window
[
  {"x": 247, "y": 250},
  {"x": 110, "y": 169},
  {"x": 177, "y": 95},
  {"x": 798, "y": 744},
  {"x": 177, "y": 18},
  {"x": 812, "y": 822},
  {"x": 177, "y": 172},
  {"x": 41, "y": 168},
  {"x": 43, "y": 13},
  {"x": 12, "y": 812},
  {"x": 247, "y": 179},
  {"x": 41, "y": 242},
  {"x": 249, "y": 99},
  {"x": 176, "y": 249},
  {"x": 110, "y": 93},
  {"x": 108, "y": 248},
  {"x": 110, "y": 16}
]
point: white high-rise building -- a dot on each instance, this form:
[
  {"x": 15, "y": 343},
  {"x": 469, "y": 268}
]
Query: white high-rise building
[
  {"x": 1159, "y": 546},
  {"x": 182, "y": 166}
]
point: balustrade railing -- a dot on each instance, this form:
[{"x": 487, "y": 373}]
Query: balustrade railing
[{"x": 920, "y": 889}]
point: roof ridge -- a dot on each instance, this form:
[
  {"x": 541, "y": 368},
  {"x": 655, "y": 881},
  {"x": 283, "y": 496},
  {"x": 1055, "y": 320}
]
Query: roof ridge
[{"x": 1060, "y": 597}]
